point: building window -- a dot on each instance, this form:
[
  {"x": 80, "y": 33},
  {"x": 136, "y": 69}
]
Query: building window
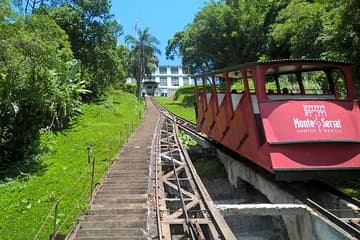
[
  {"x": 175, "y": 81},
  {"x": 162, "y": 70},
  {"x": 163, "y": 81},
  {"x": 186, "y": 81},
  {"x": 174, "y": 70}
]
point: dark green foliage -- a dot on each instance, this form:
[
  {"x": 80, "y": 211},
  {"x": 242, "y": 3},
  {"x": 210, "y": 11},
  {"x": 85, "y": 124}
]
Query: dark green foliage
[
  {"x": 42, "y": 82},
  {"x": 185, "y": 90},
  {"x": 230, "y": 32},
  {"x": 207, "y": 165},
  {"x": 93, "y": 35},
  {"x": 130, "y": 88},
  {"x": 224, "y": 34},
  {"x": 39, "y": 84}
]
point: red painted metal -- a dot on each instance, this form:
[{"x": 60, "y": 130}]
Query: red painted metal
[
  {"x": 284, "y": 135},
  {"x": 308, "y": 121}
]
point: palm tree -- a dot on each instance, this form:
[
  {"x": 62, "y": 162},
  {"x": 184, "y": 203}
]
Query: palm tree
[{"x": 142, "y": 55}]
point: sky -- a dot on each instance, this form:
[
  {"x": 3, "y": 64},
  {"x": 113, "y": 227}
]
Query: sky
[{"x": 163, "y": 18}]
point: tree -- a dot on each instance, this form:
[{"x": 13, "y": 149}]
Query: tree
[
  {"x": 93, "y": 35},
  {"x": 223, "y": 34},
  {"x": 298, "y": 27},
  {"x": 142, "y": 55},
  {"x": 39, "y": 84}
]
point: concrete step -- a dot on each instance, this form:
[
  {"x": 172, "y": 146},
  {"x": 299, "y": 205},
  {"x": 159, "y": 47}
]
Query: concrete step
[
  {"x": 126, "y": 180},
  {"x": 115, "y": 217},
  {"x": 127, "y": 174},
  {"x": 134, "y": 156},
  {"x": 141, "y": 198},
  {"x": 123, "y": 232},
  {"x": 121, "y": 184},
  {"x": 113, "y": 224},
  {"x": 132, "y": 188},
  {"x": 113, "y": 238},
  {"x": 116, "y": 206},
  {"x": 135, "y": 211},
  {"x": 130, "y": 168},
  {"x": 120, "y": 191}
]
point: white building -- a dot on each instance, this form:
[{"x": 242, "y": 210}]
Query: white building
[{"x": 165, "y": 79}]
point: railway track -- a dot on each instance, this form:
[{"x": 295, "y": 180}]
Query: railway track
[
  {"x": 184, "y": 208},
  {"x": 340, "y": 209}
]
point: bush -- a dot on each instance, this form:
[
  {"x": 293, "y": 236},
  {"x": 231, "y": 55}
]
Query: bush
[
  {"x": 130, "y": 88},
  {"x": 39, "y": 84}
]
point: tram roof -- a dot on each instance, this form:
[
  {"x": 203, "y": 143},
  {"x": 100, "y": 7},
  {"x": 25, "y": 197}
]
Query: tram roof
[{"x": 277, "y": 61}]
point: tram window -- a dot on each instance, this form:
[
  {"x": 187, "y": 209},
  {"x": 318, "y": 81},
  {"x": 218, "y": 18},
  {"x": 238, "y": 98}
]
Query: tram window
[
  {"x": 237, "y": 85},
  {"x": 340, "y": 83},
  {"x": 251, "y": 85},
  {"x": 316, "y": 82},
  {"x": 221, "y": 87},
  {"x": 270, "y": 84},
  {"x": 288, "y": 83}
]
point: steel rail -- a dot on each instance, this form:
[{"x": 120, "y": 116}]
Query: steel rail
[
  {"x": 215, "y": 215},
  {"x": 203, "y": 214},
  {"x": 335, "y": 219},
  {"x": 157, "y": 182},
  {"x": 191, "y": 228}
]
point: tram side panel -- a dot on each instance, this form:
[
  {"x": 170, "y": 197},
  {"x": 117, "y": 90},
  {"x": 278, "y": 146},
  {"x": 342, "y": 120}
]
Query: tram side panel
[
  {"x": 242, "y": 136},
  {"x": 201, "y": 106},
  {"x": 312, "y": 135},
  {"x": 210, "y": 113},
  {"x": 223, "y": 116}
]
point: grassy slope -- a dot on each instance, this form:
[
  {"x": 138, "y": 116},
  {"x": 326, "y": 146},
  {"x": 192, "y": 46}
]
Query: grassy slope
[
  {"x": 182, "y": 103},
  {"x": 25, "y": 203}
]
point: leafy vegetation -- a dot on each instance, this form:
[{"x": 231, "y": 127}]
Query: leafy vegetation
[
  {"x": 231, "y": 32},
  {"x": 93, "y": 35},
  {"x": 52, "y": 58},
  {"x": 39, "y": 85},
  {"x": 186, "y": 140},
  {"x": 63, "y": 173},
  {"x": 207, "y": 165}
]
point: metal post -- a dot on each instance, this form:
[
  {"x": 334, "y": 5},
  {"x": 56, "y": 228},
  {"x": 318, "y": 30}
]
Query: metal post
[
  {"x": 92, "y": 177},
  {"x": 55, "y": 218},
  {"x": 89, "y": 149},
  {"x": 127, "y": 130},
  {"x": 110, "y": 157}
]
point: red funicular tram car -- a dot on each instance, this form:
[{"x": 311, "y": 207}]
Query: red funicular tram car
[{"x": 298, "y": 119}]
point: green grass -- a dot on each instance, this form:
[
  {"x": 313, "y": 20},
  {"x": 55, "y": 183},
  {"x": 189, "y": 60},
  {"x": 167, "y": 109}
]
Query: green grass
[
  {"x": 65, "y": 174},
  {"x": 182, "y": 103},
  {"x": 349, "y": 187},
  {"x": 207, "y": 165},
  {"x": 176, "y": 107}
]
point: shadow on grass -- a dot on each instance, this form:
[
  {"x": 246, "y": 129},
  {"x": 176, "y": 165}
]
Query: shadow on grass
[
  {"x": 22, "y": 170},
  {"x": 25, "y": 161},
  {"x": 174, "y": 104}
]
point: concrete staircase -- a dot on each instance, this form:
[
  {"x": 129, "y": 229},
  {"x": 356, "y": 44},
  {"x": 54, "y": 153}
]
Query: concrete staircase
[{"x": 119, "y": 209}]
